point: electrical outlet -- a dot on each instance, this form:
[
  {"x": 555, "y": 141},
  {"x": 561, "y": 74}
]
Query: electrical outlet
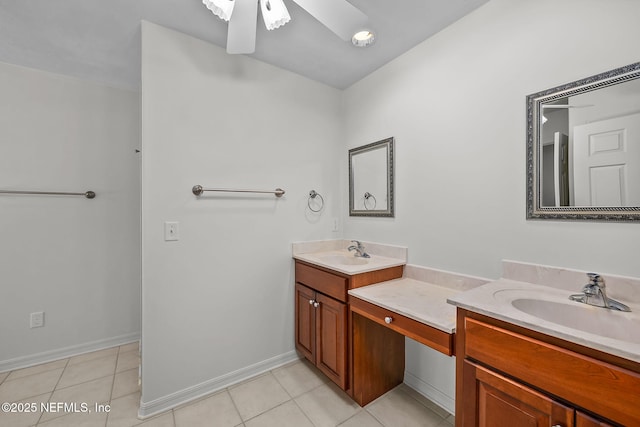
[
  {"x": 37, "y": 319},
  {"x": 171, "y": 231}
]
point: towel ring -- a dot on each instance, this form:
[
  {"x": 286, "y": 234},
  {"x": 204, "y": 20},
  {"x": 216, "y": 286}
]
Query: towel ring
[
  {"x": 312, "y": 195},
  {"x": 368, "y": 196}
]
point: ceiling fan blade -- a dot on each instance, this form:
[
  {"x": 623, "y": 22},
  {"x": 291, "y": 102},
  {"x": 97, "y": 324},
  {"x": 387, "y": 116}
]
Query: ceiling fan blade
[
  {"x": 241, "y": 36},
  {"x": 339, "y": 16}
]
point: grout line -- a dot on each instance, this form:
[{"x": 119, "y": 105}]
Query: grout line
[
  {"x": 8, "y": 380},
  {"x": 235, "y": 406},
  {"x": 54, "y": 389},
  {"x": 303, "y": 412},
  {"x": 281, "y": 385}
]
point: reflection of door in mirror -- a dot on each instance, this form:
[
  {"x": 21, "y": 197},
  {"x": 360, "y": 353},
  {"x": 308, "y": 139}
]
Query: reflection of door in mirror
[
  {"x": 555, "y": 171},
  {"x": 561, "y": 169},
  {"x": 606, "y": 162}
]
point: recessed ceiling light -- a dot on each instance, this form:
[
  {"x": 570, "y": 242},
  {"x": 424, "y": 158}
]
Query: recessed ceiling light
[{"x": 363, "y": 38}]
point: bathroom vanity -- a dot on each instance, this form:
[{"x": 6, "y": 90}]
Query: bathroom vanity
[
  {"x": 522, "y": 367},
  {"x": 352, "y": 315},
  {"x": 322, "y": 332},
  {"x": 511, "y": 373}
]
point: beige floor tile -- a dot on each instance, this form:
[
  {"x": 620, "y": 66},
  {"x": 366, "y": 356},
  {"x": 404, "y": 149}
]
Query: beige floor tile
[
  {"x": 44, "y": 367},
  {"x": 125, "y": 383},
  {"x": 327, "y": 405},
  {"x": 128, "y": 360},
  {"x": 77, "y": 420},
  {"x": 424, "y": 401},
  {"x": 286, "y": 415},
  {"x": 33, "y": 385},
  {"x": 113, "y": 351},
  {"x": 217, "y": 410},
  {"x": 90, "y": 393},
  {"x": 124, "y": 411},
  {"x": 25, "y": 418},
  {"x": 3, "y": 375},
  {"x": 299, "y": 378},
  {"x": 256, "y": 396},
  {"x": 361, "y": 419},
  {"x": 164, "y": 420},
  {"x": 86, "y": 371},
  {"x": 134, "y": 346},
  {"x": 397, "y": 408}
]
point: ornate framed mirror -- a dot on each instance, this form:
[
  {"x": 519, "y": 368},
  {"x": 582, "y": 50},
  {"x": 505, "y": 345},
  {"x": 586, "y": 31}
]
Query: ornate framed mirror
[
  {"x": 583, "y": 149},
  {"x": 371, "y": 179}
]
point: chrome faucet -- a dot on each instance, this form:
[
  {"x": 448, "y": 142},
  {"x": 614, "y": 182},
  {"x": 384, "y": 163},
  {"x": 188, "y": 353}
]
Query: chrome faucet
[
  {"x": 359, "y": 249},
  {"x": 594, "y": 293}
]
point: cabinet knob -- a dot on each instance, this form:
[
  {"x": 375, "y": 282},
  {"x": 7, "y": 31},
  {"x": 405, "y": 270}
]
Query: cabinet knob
[
  {"x": 311, "y": 302},
  {"x": 316, "y": 304},
  {"x": 388, "y": 319},
  {"x": 557, "y": 425}
]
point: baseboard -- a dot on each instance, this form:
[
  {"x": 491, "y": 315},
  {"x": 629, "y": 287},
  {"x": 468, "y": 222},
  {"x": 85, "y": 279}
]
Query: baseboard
[
  {"x": 431, "y": 393},
  {"x": 63, "y": 353},
  {"x": 154, "y": 407}
]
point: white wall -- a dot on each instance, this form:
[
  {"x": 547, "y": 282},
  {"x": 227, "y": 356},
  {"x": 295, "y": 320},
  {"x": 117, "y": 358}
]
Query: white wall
[
  {"x": 218, "y": 303},
  {"x": 78, "y": 260},
  {"x": 456, "y": 106}
]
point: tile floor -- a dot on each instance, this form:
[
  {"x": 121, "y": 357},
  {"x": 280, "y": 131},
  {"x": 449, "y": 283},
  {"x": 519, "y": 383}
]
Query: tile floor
[{"x": 295, "y": 395}]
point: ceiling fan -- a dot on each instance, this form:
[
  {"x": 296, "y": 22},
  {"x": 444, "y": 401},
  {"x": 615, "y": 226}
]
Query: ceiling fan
[{"x": 339, "y": 16}]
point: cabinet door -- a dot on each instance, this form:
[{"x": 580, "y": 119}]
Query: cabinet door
[
  {"x": 584, "y": 420},
  {"x": 331, "y": 339},
  {"x": 305, "y": 322},
  {"x": 505, "y": 403}
]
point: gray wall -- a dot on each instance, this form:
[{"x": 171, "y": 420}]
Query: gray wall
[
  {"x": 77, "y": 260},
  {"x": 456, "y": 106},
  {"x": 218, "y": 303}
]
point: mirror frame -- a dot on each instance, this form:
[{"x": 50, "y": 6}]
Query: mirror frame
[
  {"x": 389, "y": 212},
  {"x": 535, "y": 210}
]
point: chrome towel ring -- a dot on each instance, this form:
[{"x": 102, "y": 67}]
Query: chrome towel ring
[
  {"x": 312, "y": 195},
  {"x": 368, "y": 196}
]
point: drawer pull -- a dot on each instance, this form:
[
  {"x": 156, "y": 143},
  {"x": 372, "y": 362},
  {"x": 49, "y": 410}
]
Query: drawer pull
[
  {"x": 388, "y": 320},
  {"x": 316, "y": 304},
  {"x": 311, "y": 302}
]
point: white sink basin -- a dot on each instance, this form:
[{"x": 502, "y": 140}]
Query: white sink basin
[
  {"x": 344, "y": 260},
  {"x": 583, "y": 317}
]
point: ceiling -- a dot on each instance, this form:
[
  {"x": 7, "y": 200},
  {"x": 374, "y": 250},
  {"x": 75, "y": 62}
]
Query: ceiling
[{"x": 99, "y": 40}]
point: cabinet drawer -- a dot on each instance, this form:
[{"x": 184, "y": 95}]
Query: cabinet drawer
[
  {"x": 326, "y": 283},
  {"x": 605, "y": 389},
  {"x": 425, "y": 334}
]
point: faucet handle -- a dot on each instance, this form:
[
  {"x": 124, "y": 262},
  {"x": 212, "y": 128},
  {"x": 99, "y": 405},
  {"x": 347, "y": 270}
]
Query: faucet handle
[
  {"x": 595, "y": 279},
  {"x": 357, "y": 243}
]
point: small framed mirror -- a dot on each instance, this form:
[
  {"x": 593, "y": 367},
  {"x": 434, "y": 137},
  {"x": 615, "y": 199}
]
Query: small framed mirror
[
  {"x": 583, "y": 149},
  {"x": 371, "y": 179}
]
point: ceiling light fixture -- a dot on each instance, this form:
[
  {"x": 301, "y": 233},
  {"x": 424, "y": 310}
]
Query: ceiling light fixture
[
  {"x": 363, "y": 38},
  {"x": 221, "y": 8},
  {"x": 274, "y": 13},
  {"x": 339, "y": 16}
]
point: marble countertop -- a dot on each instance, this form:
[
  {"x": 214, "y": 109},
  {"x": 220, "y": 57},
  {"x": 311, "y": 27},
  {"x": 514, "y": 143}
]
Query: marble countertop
[
  {"x": 328, "y": 259},
  {"x": 417, "y": 300},
  {"x": 495, "y": 300}
]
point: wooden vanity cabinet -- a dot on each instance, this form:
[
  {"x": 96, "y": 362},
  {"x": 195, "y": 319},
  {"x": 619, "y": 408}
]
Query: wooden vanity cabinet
[
  {"x": 321, "y": 332},
  {"x": 321, "y": 324},
  {"x": 511, "y": 376}
]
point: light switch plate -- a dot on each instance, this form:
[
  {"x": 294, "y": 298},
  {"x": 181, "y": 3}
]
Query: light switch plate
[{"x": 171, "y": 231}]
